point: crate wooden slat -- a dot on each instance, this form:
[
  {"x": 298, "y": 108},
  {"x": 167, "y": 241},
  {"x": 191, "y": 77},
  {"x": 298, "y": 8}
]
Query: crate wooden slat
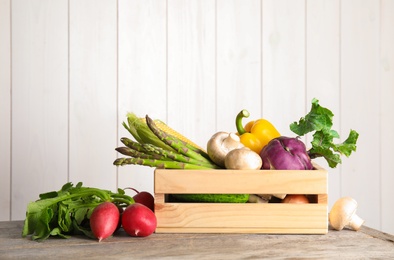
[{"x": 175, "y": 217}]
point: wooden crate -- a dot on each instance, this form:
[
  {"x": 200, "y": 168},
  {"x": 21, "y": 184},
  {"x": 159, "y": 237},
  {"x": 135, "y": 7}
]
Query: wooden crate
[{"x": 268, "y": 218}]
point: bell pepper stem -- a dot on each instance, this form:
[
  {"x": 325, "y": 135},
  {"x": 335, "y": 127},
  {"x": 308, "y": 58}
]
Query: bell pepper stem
[{"x": 238, "y": 121}]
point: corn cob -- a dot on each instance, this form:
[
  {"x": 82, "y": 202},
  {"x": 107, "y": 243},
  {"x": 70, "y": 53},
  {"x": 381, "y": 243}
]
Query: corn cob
[
  {"x": 133, "y": 132},
  {"x": 177, "y": 144},
  {"x": 170, "y": 131},
  {"x": 142, "y": 133},
  {"x": 160, "y": 148}
]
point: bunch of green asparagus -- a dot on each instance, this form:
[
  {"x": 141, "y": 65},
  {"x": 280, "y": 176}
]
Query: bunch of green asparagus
[{"x": 156, "y": 146}]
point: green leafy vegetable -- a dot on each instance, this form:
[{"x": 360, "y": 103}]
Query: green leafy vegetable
[
  {"x": 319, "y": 120},
  {"x": 67, "y": 211}
]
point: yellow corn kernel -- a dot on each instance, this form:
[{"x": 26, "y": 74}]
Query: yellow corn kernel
[{"x": 164, "y": 127}]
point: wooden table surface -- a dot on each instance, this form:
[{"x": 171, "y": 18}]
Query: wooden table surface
[{"x": 366, "y": 243}]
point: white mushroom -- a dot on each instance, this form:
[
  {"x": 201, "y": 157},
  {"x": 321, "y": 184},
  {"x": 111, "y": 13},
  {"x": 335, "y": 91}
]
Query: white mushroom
[
  {"x": 243, "y": 159},
  {"x": 254, "y": 198},
  {"x": 221, "y": 144},
  {"x": 279, "y": 196},
  {"x": 343, "y": 213}
]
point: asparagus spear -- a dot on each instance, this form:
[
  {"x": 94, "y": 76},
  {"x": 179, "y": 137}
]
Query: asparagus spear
[
  {"x": 160, "y": 164},
  {"x": 157, "y": 148},
  {"x": 177, "y": 156},
  {"x": 175, "y": 143},
  {"x": 149, "y": 151},
  {"x": 144, "y": 134},
  {"x": 136, "y": 154},
  {"x": 195, "y": 149},
  {"x": 134, "y": 145}
]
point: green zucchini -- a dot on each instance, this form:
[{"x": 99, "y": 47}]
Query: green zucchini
[{"x": 212, "y": 198}]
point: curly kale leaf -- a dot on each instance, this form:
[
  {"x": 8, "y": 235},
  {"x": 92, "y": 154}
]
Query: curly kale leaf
[{"x": 319, "y": 121}]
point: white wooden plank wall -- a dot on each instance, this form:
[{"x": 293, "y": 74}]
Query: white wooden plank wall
[
  {"x": 92, "y": 92},
  {"x": 386, "y": 105},
  {"x": 142, "y": 74},
  {"x": 70, "y": 71},
  {"x": 5, "y": 110},
  {"x": 39, "y": 101},
  {"x": 360, "y": 69}
]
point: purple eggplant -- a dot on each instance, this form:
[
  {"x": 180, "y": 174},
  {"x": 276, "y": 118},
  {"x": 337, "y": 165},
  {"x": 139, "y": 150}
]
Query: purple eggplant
[{"x": 285, "y": 153}]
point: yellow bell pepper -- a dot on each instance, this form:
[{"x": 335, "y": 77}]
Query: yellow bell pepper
[{"x": 255, "y": 134}]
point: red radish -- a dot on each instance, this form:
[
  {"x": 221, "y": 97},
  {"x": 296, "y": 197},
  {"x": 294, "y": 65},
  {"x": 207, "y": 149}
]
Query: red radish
[
  {"x": 138, "y": 220},
  {"x": 104, "y": 220},
  {"x": 295, "y": 198},
  {"x": 144, "y": 198}
]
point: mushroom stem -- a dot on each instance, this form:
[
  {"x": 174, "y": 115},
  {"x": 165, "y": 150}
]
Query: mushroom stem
[
  {"x": 221, "y": 144},
  {"x": 232, "y": 140},
  {"x": 343, "y": 213},
  {"x": 254, "y": 198},
  {"x": 279, "y": 196},
  {"x": 356, "y": 222}
]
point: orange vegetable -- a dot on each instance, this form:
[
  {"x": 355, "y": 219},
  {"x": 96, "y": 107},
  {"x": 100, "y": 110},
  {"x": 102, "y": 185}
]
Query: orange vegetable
[{"x": 295, "y": 198}]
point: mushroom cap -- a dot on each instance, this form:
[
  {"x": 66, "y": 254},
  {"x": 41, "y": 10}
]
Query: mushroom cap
[
  {"x": 220, "y": 144},
  {"x": 342, "y": 212},
  {"x": 243, "y": 159}
]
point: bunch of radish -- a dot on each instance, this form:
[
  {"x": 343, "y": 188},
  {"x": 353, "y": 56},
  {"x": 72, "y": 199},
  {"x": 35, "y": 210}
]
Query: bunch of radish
[{"x": 137, "y": 219}]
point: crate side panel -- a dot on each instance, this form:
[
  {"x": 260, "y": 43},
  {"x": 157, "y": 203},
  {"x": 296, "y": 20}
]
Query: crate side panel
[
  {"x": 238, "y": 182},
  {"x": 210, "y": 215},
  {"x": 159, "y": 198}
]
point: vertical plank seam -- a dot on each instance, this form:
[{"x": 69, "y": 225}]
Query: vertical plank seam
[
  {"x": 380, "y": 117},
  {"x": 117, "y": 90},
  {"x": 10, "y": 136},
  {"x": 261, "y": 60},
  {"x": 306, "y": 101},
  {"x": 340, "y": 83},
  {"x": 68, "y": 89},
  {"x": 216, "y": 66},
  {"x": 167, "y": 117},
  {"x": 306, "y": 58}
]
